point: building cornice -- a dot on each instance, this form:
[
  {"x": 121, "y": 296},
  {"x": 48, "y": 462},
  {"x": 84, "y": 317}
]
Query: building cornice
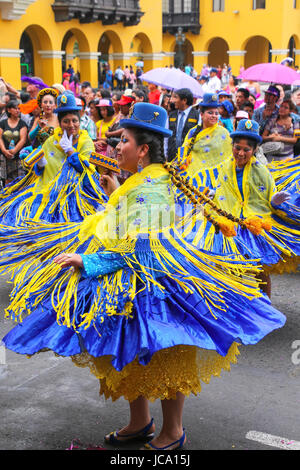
[{"x": 14, "y": 9}]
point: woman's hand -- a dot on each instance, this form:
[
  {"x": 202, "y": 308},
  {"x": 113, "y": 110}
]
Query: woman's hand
[
  {"x": 66, "y": 260},
  {"x": 109, "y": 183},
  {"x": 280, "y": 198},
  {"x": 42, "y": 123},
  {"x": 8, "y": 154},
  {"x": 66, "y": 143},
  {"x": 100, "y": 144}
]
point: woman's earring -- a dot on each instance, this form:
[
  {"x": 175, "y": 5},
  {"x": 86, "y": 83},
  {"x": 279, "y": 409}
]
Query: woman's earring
[{"x": 139, "y": 166}]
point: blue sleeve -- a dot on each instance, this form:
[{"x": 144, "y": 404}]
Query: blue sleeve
[
  {"x": 98, "y": 264},
  {"x": 33, "y": 133},
  {"x": 75, "y": 162}
]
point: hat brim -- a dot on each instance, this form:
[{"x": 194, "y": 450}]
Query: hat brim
[
  {"x": 127, "y": 123},
  {"x": 66, "y": 108},
  {"x": 247, "y": 135},
  {"x": 124, "y": 103}
]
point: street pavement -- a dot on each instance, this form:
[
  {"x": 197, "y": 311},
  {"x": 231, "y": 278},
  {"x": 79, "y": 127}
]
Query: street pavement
[{"x": 49, "y": 404}]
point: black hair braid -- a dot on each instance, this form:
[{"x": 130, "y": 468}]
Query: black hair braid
[
  {"x": 192, "y": 142},
  {"x": 154, "y": 141},
  {"x": 189, "y": 190}
]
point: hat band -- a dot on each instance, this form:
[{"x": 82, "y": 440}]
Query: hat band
[{"x": 147, "y": 121}]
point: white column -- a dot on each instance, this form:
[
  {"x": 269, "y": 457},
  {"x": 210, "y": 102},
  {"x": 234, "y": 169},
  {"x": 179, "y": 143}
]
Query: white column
[
  {"x": 236, "y": 53},
  {"x": 51, "y": 54},
  {"x": 11, "y": 52},
  {"x": 89, "y": 55},
  {"x": 279, "y": 51},
  {"x": 201, "y": 53}
]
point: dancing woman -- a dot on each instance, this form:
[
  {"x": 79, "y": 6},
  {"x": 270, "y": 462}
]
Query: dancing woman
[
  {"x": 61, "y": 185},
  {"x": 207, "y": 144},
  {"x": 267, "y": 220},
  {"x": 149, "y": 314},
  {"x": 43, "y": 125}
]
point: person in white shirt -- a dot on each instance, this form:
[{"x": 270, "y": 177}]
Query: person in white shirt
[
  {"x": 119, "y": 75},
  {"x": 203, "y": 82},
  {"x": 214, "y": 83}
]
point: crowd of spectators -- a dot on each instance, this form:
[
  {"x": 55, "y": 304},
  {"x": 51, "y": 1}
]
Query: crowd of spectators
[{"x": 275, "y": 108}]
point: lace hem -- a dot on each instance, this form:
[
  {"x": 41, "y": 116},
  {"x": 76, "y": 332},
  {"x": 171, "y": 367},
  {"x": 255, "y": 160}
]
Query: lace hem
[
  {"x": 171, "y": 370},
  {"x": 286, "y": 265}
]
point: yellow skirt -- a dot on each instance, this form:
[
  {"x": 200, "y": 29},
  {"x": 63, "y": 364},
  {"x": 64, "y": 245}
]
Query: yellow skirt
[{"x": 171, "y": 370}]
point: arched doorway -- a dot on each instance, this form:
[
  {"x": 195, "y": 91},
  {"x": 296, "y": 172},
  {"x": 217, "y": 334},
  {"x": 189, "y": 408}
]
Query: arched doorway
[
  {"x": 292, "y": 47},
  {"x": 73, "y": 44},
  {"x": 27, "y": 57},
  {"x": 218, "y": 52},
  {"x": 258, "y": 51},
  {"x": 142, "y": 49},
  {"x": 183, "y": 54},
  {"x": 111, "y": 49},
  {"x": 34, "y": 40}
]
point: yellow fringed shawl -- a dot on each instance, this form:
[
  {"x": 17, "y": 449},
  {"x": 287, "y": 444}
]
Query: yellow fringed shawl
[
  {"x": 212, "y": 145},
  {"x": 258, "y": 189},
  {"x": 55, "y": 156}
]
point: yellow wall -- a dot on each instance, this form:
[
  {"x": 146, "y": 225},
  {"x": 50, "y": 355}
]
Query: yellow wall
[
  {"x": 137, "y": 41},
  {"x": 276, "y": 24}
]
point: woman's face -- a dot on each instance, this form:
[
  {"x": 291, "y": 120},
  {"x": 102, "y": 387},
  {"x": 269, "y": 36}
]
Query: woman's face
[
  {"x": 125, "y": 109},
  {"x": 242, "y": 152},
  {"x": 137, "y": 99},
  {"x": 71, "y": 124},
  {"x": 14, "y": 112},
  {"x": 103, "y": 112},
  {"x": 93, "y": 110},
  {"x": 48, "y": 104},
  {"x": 252, "y": 99},
  {"x": 296, "y": 97},
  {"x": 128, "y": 152},
  {"x": 284, "y": 110},
  {"x": 223, "y": 111},
  {"x": 210, "y": 117}
]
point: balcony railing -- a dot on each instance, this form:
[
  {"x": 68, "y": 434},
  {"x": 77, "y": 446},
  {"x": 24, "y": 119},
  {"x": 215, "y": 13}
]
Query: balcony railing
[
  {"x": 108, "y": 11},
  {"x": 181, "y": 14}
]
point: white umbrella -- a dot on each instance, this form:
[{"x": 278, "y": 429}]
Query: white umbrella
[{"x": 173, "y": 79}]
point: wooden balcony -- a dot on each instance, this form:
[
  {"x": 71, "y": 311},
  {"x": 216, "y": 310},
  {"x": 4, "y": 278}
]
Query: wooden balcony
[
  {"x": 127, "y": 12},
  {"x": 179, "y": 16}
]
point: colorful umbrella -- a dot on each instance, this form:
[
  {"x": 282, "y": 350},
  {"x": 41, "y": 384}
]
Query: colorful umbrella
[
  {"x": 270, "y": 73},
  {"x": 172, "y": 79}
]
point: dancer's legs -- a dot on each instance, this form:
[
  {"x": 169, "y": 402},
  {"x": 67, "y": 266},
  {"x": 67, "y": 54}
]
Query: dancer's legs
[
  {"x": 139, "y": 417},
  {"x": 172, "y": 428}
]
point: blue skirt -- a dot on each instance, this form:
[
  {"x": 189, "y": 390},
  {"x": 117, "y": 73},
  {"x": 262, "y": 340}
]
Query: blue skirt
[{"x": 155, "y": 324}]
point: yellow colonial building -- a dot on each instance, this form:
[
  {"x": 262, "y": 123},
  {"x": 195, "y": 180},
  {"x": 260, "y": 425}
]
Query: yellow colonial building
[
  {"x": 42, "y": 37},
  {"x": 236, "y": 32}
]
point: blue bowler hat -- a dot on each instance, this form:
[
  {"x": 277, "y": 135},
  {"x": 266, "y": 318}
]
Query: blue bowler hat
[
  {"x": 148, "y": 116},
  {"x": 228, "y": 106},
  {"x": 247, "y": 129},
  {"x": 224, "y": 93},
  {"x": 210, "y": 100},
  {"x": 66, "y": 102}
]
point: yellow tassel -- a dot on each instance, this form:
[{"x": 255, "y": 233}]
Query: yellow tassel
[
  {"x": 267, "y": 224},
  {"x": 254, "y": 224},
  {"x": 226, "y": 226}
]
